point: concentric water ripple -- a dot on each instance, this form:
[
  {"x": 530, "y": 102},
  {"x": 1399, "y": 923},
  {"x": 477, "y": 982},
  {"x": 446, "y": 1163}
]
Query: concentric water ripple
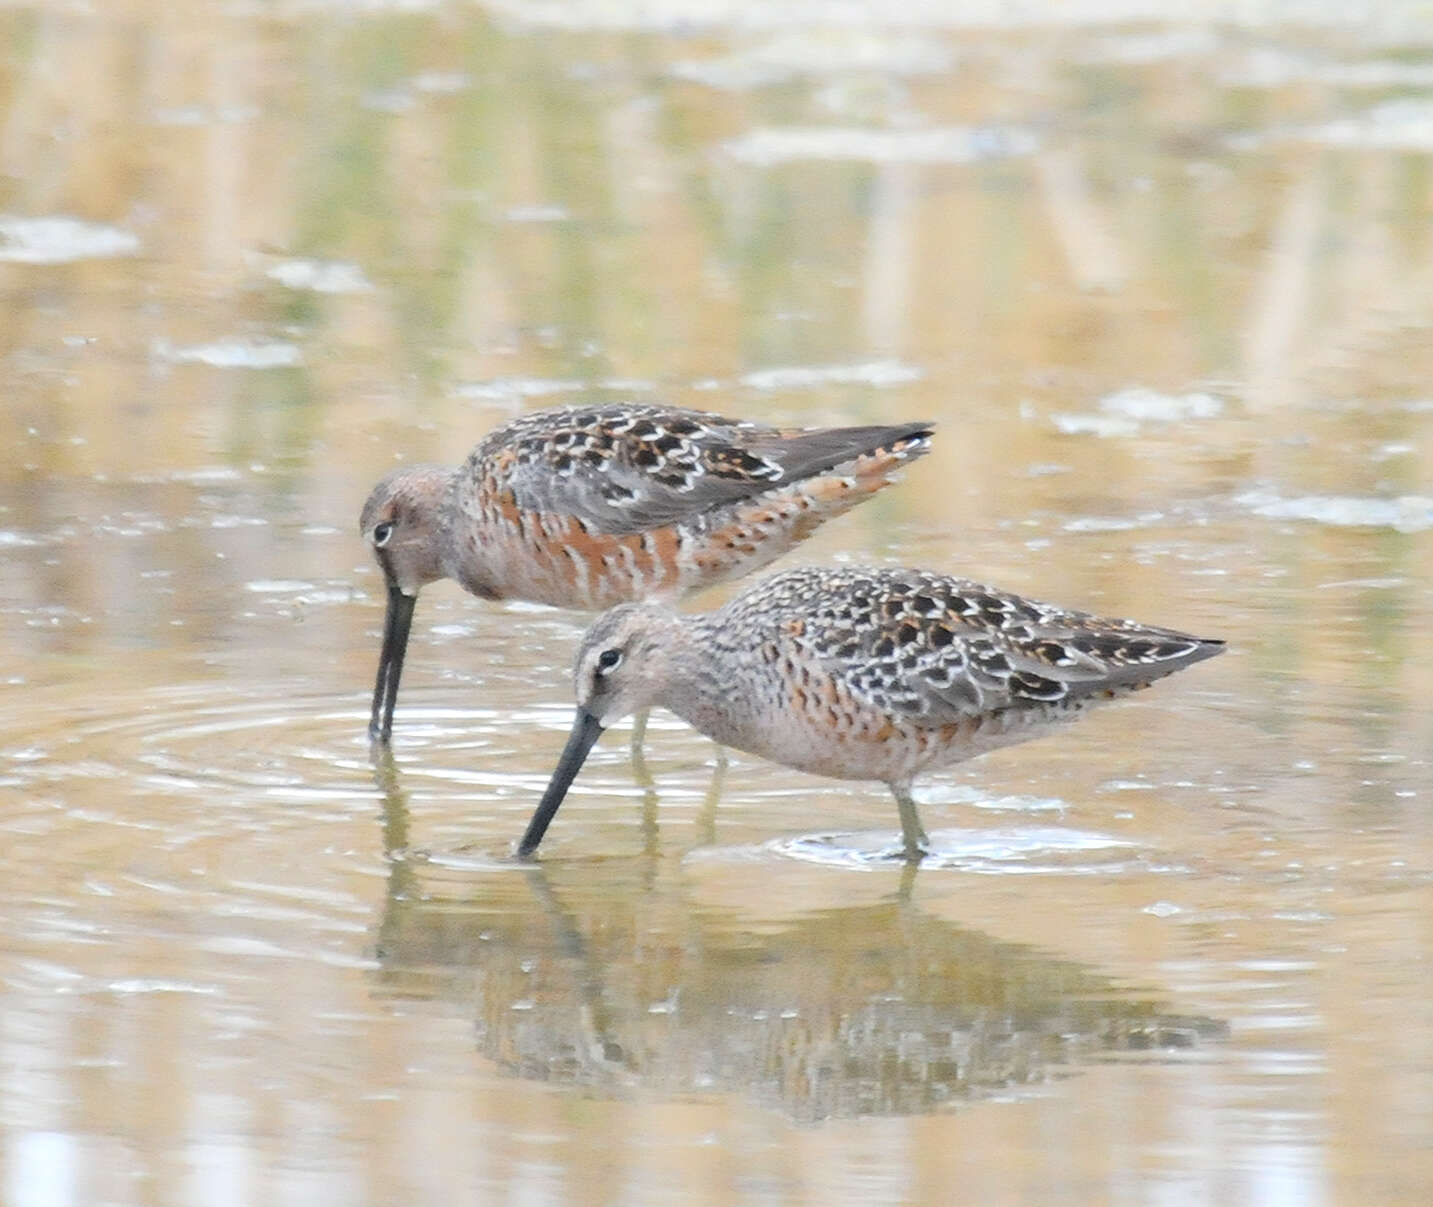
[
  {"x": 295, "y": 745},
  {"x": 1009, "y": 850}
]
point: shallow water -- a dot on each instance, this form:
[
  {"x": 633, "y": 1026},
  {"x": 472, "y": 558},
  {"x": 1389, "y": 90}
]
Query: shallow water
[{"x": 1167, "y": 289}]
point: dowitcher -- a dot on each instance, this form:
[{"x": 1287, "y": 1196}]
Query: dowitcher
[
  {"x": 586, "y": 507},
  {"x": 860, "y": 674}
]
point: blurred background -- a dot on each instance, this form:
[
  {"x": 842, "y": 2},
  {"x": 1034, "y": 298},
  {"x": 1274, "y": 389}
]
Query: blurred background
[{"x": 1166, "y": 285}]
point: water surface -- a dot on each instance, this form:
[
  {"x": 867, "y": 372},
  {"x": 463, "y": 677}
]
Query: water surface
[{"x": 1165, "y": 287}]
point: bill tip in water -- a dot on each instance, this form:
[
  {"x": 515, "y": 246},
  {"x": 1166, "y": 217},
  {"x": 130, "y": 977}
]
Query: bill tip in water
[{"x": 586, "y": 729}]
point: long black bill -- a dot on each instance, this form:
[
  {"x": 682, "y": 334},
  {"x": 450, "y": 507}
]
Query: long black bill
[
  {"x": 396, "y": 623},
  {"x": 586, "y": 729}
]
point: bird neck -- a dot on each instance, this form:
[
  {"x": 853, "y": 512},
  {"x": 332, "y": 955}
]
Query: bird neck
[
  {"x": 462, "y": 540},
  {"x": 698, "y": 685}
]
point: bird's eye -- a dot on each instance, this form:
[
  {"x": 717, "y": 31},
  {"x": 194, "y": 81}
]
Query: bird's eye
[
  {"x": 607, "y": 660},
  {"x": 381, "y": 534}
]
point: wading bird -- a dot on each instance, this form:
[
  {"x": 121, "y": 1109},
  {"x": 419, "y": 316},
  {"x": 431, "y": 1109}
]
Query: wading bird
[
  {"x": 860, "y": 675},
  {"x": 589, "y": 506}
]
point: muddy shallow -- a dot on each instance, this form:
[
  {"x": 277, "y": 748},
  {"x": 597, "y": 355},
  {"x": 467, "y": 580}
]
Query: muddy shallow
[{"x": 1167, "y": 289}]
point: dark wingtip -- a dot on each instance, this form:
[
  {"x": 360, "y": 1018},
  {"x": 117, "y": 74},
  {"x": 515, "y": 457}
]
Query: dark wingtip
[
  {"x": 811, "y": 453},
  {"x": 1200, "y": 648},
  {"x": 906, "y": 439},
  {"x": 913, "y": 447},
  {"x": 917, "y": 429}
]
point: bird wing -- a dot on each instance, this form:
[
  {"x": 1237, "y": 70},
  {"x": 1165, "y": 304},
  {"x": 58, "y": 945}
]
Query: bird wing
[
  {"x": 623, "y": 469},
  {"x": 938, "y": 650}
]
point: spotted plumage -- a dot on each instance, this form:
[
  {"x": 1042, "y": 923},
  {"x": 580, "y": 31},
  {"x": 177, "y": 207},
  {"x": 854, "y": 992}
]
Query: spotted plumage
[
  {"x": 936, "y": 650},
  {"x": 862, "y": 674},
  {"x": 587, "y": 507}
]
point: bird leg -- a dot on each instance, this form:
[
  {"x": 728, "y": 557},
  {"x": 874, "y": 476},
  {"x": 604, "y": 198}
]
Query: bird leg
[{"x": 913, "y": 836}]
